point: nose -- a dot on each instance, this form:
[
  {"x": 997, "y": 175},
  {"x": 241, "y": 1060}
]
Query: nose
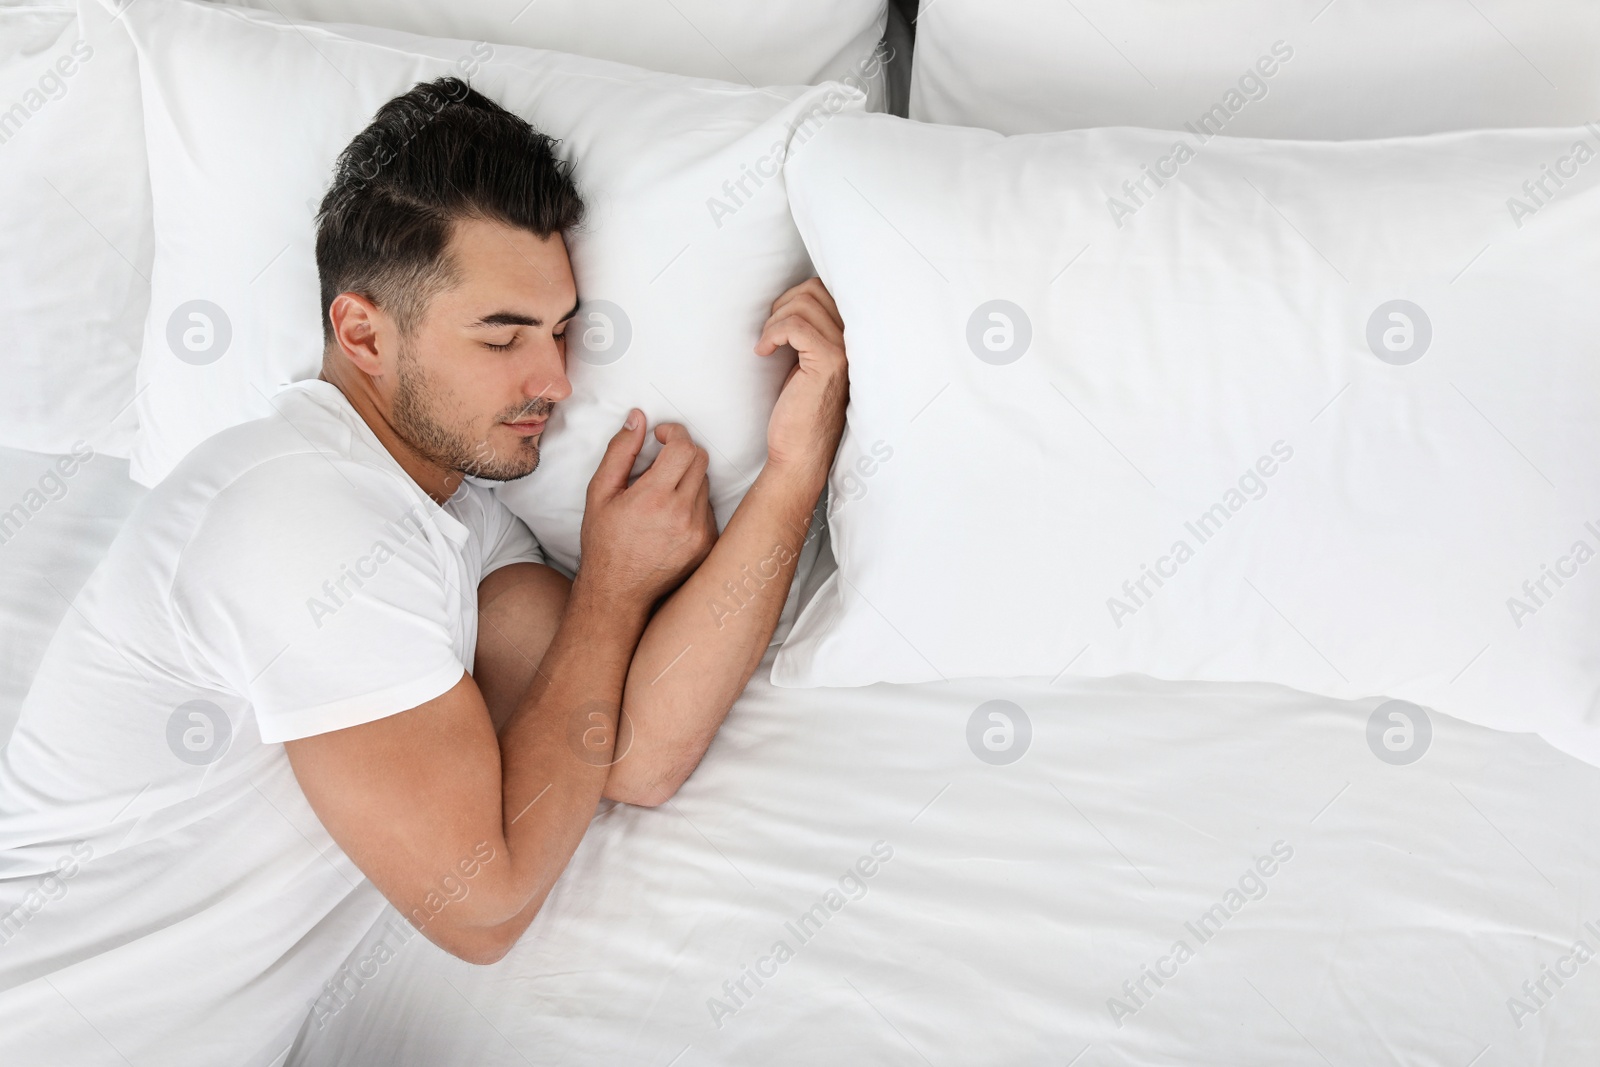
[{"x": 546, "y": 375}]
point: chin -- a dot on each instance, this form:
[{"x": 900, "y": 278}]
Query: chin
[{"x": 522, "y": 461}]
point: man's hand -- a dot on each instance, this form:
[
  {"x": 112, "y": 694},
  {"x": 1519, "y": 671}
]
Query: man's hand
[
  {"x": 808, "y": 420},
  {"x": 640, "y": 541},
  {"x": 705, "y": 641}
]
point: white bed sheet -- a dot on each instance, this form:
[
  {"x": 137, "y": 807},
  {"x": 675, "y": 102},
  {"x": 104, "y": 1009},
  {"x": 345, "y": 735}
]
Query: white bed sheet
[
  {"x": 1020, "y": 898},
  {"x": 46, "y": 558}
]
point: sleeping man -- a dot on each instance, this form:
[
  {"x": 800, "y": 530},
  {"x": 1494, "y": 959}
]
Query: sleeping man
[{"x": 318, "y": 669}]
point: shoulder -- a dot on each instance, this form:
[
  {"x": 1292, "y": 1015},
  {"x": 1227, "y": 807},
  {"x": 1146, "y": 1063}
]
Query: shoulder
[
  {"x": 310, "y": 488},
  {"x": 299, "y": 510}
]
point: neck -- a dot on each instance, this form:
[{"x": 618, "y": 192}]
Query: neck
[{"x": 438, "y": 482}]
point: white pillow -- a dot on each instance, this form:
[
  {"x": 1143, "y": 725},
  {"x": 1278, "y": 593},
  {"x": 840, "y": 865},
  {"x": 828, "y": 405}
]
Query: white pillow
[
  {"x": 1358, "y": 382},
  {"x": 774, "y": 42},
  {"x": 74, "y": 269},
  {"x": 1302, "y": 69},
  {"x": 76, "y": 253},
  {"x": 246, "y": 115}
]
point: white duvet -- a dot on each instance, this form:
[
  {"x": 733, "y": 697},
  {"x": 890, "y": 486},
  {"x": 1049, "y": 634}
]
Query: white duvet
[{"x": 1024, "y": 910}]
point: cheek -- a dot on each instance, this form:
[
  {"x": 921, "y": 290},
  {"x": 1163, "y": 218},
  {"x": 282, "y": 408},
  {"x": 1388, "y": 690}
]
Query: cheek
[{"x": 467, "y": 387}]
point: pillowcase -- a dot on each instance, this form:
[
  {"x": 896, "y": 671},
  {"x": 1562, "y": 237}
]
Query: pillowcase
[
  {"x": 1325, "y": 414},
  {"x": 687, "y": 242},
  {"x": 73, "y": 270},
  {"x": 798, "y": 42},
  {"x": 1258, "y": 68}
]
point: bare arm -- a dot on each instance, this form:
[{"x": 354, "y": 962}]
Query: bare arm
[
  {"x": 464, "y": 831},
  {"x": 520, "y": 608},
  {"x": 704, "y": 642}
]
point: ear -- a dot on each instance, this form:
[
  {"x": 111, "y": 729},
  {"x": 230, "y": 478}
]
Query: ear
[{"x": 356, "y": 323}]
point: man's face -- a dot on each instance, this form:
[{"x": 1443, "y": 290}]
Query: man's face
[{"x": 478, "y": 376}]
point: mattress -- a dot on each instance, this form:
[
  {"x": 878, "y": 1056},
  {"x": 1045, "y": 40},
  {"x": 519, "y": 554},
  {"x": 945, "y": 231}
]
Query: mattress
[{"x": 1031, "y": 912}]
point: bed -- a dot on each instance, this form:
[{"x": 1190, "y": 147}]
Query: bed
[{"x": 1054, "y": 870}]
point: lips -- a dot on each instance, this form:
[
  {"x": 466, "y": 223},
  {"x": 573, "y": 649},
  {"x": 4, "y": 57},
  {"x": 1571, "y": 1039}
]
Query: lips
[{"x": 530, "y": 427}]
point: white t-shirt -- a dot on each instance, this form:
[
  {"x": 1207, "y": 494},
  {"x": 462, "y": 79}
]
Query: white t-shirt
[{"x": 167, "y": 895}]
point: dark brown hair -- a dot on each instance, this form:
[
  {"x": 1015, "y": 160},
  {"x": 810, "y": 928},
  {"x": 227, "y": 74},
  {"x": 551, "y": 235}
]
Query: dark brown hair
[{"x": 436, "y": 154}]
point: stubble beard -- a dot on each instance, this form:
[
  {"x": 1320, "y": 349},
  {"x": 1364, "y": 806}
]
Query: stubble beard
[{"x": 418, "y": 420}]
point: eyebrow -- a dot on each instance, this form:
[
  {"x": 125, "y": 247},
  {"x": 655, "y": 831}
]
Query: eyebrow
[{"x": 512, "y": 318}]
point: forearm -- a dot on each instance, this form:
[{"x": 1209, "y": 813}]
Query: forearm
[
  {"x": 704, "y": 642},
  {"x": 555, "y": 751}
]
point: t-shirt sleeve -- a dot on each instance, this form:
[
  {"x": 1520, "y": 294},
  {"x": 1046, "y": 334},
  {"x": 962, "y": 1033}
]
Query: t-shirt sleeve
[
  {"x": 507, "y": 539},
  {"x": 319, "y": 591}
]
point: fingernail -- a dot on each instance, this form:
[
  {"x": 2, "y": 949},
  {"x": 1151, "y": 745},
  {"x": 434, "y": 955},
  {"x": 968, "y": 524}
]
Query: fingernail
[{"x": 633, "y": 420}]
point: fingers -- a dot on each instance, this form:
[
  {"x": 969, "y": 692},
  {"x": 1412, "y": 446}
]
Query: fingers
[
  {"x": 693, "y": 481},
  {"x": 611, "y": 476},
  {"x": 810, "y": 302},
  {"x": 814, "y": 292},
  {"x": 695, "y": 475},
  {"x": 678, "y": 452},
  {"x": 702, "y": 500},
  {"x": 814, "y": 347},
  {"x": 809, "y": 311}
]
